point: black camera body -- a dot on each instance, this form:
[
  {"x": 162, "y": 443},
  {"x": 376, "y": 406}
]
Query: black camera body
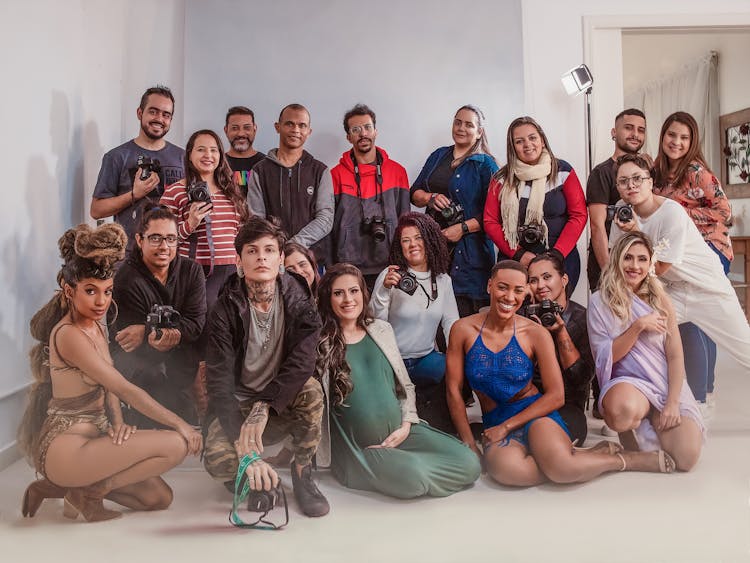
[
  {"x": 375, "y": 227},
  {"x": 160, "y": 317},
  {"x": 624, "y": 213},
  {"x": 408, "y": 282},
  {"x": 147, "y": 166},
  {"x": 263, "y": 501},
  {"x": 530, "y": 234},
  {"x": 448, "y": 216},
  {"x": 198, "y": 191},
  {"x": 544, "y": 311}
]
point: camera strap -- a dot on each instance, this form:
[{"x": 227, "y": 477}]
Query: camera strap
[
  {"x": 242, "y": 489},
  {"x": 378, "y": 181}
]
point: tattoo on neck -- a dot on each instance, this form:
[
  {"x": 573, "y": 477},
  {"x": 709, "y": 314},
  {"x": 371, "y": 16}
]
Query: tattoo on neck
[{"x": 260, "y": 292}]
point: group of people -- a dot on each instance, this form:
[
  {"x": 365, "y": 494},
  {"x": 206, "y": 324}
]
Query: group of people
[{"x": 268, "y": 299}]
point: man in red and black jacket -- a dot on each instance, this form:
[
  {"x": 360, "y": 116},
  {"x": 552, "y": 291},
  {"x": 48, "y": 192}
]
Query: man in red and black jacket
[{"x": 371, "y": 192}]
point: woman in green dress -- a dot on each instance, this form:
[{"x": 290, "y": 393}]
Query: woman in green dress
[{"x": 377, "y": 442}]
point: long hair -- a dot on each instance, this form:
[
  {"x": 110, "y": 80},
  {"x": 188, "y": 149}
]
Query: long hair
[
  {"x": 615, "y": 291},
  {"x": 86, "y": 253},
  {"x": 505, "y": 175},
  {"x": 481, "y": 145},
  {"x": 222, "y": 175},
  {"x": 435, "y": 245},
  {"x": 332, "y": 347},
  {"x": 291, "y": 248},
  {"x": 693, "y": 154}
]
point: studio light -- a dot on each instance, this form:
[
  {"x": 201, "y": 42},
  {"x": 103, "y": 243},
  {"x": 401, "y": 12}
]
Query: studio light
[{"x": 579, "y": 81}]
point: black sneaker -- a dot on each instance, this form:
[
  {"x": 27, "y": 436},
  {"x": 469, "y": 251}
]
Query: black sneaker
[{"x": 310, "y": 500}]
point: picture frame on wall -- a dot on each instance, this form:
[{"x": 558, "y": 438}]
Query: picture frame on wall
[{"x": 734, "y": 132}]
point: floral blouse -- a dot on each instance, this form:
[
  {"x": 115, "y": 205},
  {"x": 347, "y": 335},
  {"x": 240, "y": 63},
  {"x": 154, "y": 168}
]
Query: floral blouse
[{"x": 701, "y": 195}]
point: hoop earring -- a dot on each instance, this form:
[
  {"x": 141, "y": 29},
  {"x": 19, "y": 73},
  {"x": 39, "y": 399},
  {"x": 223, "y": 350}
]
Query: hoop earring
[
  {"x": 240, "y": 272},
  {"x": 117, "y": 312}
]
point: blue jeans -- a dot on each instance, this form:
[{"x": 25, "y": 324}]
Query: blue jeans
[{"x": 427, "y": 369}]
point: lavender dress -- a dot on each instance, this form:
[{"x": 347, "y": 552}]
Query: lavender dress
[{"x": 644, "y": 366}]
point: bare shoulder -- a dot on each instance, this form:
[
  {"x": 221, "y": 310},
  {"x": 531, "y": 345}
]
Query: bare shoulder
[{"x": 531, "y": 332}]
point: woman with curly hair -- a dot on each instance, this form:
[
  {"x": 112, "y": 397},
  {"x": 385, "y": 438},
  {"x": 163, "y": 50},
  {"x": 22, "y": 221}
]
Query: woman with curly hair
[
  {"x": 210, "y": 209},
  {"x": 73, "y": 429},
  {"x": 638, "y": 356},
  {"x": 377, "y": 442}
]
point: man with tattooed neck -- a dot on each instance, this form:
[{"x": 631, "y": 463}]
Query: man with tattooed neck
[{"x": 263, "y": 332}]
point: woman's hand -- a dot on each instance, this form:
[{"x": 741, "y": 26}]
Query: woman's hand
[
  {"x": 261, "y": 476},
  {"x": 627, "y": 227},
  {"x": 454, "y": 233},
  {"x": 191, "y": 436},
  {"x": 130, "y": 337},
  {"x": 669, "y": 417},
  {"x": 198, "y": 210},
  {"x": 653, "y": 322},
  {"x": 392, "y": 277},
  {"x": 120, "y": 432},
  {"x": 495, "y": 434},
  {"x": 396, "y": 437},
  {"x": 553, "y": 328}
]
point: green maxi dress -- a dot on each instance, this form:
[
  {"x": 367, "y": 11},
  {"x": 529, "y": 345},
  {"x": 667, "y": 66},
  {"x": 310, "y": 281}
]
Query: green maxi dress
[{"x": 428, "y": 462}]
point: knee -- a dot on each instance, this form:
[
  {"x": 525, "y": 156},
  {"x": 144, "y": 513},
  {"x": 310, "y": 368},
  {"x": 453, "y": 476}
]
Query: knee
[
  {"x": 687, "y": 456},
  {"x": 622, "y": 415},
  {"x": 175, "y": 448},
  {"x": 160, "y": 497},
  {"x": 560, "y": 473}
]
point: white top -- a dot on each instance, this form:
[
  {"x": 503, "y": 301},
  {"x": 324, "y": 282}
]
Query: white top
[
  {"x": 678, "y": 242},
  {"x": 414, "y": 323}
]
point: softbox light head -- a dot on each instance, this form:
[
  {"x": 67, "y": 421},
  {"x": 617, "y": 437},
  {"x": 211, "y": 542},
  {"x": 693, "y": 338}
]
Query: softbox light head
[{"x": 577, "y": 80}]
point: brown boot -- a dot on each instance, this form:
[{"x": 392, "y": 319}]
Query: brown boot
[
  {"x": 36, "y": 493},
  {"x": 87, "y": 501}
]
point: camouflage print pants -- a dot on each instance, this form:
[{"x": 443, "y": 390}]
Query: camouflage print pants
[{"x": 301, "y": 420}]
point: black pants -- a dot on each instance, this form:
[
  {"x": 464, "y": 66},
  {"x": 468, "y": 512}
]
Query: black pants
[{"x": 575, "y": 419}]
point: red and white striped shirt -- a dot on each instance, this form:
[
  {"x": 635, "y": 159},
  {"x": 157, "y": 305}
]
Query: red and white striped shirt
[{"x": 225, "y": 222}]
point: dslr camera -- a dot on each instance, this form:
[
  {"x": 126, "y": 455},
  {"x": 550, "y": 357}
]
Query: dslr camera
[
  {"x": 147, "y": 166},
  {"x": 530, "y": 234},
  {"x": 375, "y": 227},
  {"x": 198, "y": 191},
  {"x": 160, "y": 317},
  {"x": 624, "y": 213},
  {"x": 448, "y": 216},
  {"x": 263, "y": 501},
  {"x": 408, "y": 282},
  {"x": 545, "y": 311}
]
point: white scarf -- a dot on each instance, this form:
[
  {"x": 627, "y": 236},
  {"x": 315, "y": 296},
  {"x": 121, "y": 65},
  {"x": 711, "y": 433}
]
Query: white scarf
[{"x": 510, "y": 197}]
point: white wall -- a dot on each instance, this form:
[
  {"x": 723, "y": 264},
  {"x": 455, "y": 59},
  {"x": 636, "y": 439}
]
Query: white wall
[
  {"x": 73, "y": 75},
  {"x": 677, "y": 48},
  {"x": 413, "y": 62}
]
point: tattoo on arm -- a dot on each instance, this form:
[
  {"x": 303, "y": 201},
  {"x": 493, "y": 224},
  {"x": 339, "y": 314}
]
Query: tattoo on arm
[
  {"x": 258, "y": 413},
  {"x": 565, "y": 343}
]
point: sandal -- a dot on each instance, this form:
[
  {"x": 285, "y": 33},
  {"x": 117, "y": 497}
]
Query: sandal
[
  {"x": 605, "y": 446},
  {"x": 666, "y": 462}
]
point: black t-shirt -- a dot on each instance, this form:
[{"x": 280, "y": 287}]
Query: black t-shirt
[
  {"x": 601, "y": 186},
  {"x": 241, "y": 168},
  {"x": 440, "y": 179}
]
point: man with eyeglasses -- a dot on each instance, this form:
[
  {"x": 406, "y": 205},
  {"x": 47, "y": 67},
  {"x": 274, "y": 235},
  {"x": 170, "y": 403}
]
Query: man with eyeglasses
[
  {"x": 161, "y": 301},
  {"x": 141, "y": 168},
  {"x": 291, "y": 185},
  {"x": 629, "y": 134},
  {"x": 371, "y": 192},
  {"x": 240, "y": 129}
]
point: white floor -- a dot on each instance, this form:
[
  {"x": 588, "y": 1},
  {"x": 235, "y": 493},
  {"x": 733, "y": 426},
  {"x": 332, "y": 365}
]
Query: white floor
[{"x": 702, "y": 516}]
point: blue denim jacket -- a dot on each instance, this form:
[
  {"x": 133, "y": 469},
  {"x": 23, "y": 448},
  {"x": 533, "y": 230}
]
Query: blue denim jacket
[{"x": 473, "y": 255}]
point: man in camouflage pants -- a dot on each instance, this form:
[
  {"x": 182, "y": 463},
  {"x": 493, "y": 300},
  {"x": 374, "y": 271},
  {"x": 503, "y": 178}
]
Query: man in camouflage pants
[{"x": 263, "y": 333}]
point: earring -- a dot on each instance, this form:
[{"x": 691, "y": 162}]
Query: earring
[
  {"x": 240, "y": 272},
  {"x": 117, "y": 312}
]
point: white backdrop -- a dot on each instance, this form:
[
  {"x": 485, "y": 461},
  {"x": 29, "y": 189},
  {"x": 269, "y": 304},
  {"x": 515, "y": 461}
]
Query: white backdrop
[{"x": 414, "y": 63}]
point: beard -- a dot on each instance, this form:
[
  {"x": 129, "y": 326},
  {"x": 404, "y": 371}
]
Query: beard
[
  {"x": 624, "y": 147},
  {"x": 241, "y": 144},
  {"x": 153, "y": 136}
]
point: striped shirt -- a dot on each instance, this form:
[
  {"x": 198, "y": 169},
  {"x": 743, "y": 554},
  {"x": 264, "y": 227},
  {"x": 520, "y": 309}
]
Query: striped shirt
[{"x": 225, "y": 222}]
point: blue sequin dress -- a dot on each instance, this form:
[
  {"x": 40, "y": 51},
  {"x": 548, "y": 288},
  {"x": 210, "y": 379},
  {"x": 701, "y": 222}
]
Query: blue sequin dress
[{"x": 501, "y": 376}]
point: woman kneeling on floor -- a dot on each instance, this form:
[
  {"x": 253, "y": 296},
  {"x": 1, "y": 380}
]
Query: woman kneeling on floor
[
  {"x": 638, "y": 353},
  {"x": 73, "y": 429},
  {"x": 526, "y": 441},
  {"x": 377, "y": 442}
]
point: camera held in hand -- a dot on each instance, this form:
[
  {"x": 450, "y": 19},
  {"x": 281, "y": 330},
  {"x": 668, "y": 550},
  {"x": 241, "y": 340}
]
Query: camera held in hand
[
  {"x": 448, "y": 216},
  {"x": 530, "y": 234},
  {"x": 408, "y": 282},
  {"x": 198, "y": 191},
  {"x": 375, "y": 227},
  {"x": 545, "y": 311},
  {"x": 264, "y": 501},
  {"x": 624, "y": 213},
  {"x": 147, "y": 166},
  {"x": 161, "y": 317}
]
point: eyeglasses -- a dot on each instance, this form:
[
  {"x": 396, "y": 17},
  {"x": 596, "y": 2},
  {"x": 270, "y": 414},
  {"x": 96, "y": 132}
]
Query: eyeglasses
[
  {"x": 636, "y": 181},
  {"x": 358, "y": 129},
  {"x": 156, "y": 240}
]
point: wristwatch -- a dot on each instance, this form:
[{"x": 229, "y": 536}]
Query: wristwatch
[{"x": 464, "y": 228}]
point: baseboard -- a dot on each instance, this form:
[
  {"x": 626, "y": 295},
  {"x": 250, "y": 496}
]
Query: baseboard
[{"x": 9, "y": 455}]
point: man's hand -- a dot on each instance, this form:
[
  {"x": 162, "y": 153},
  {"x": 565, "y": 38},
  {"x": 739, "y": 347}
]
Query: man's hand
[
  {"x": 454, "y": 233},
  {"x": 130, "y": 337},
  {"x": 251, "y": 432},
  {"x": 261, "y": 476},
  {"x": 170, "y": 337},
  {"x": 143, "y": 187},
  {"x": 439, "y": 202},
  {"x": 628, "y": 227}
]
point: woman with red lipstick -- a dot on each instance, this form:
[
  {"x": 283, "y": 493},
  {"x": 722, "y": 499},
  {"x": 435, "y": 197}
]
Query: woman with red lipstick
[
  {"x": 681, "y": 174},
  {"x": 207, "y": 229},
  {"x": 73, "y": 429},
  {"x": 535, "y": 202},
  {"x": 638, "y": 353}
]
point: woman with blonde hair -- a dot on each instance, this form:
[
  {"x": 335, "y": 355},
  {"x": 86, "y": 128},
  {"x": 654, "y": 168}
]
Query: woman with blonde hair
[
  {"x": 73, "y": 429},
  {"x": 638, "y": 356}
]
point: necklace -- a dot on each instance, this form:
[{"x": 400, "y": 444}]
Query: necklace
[{"x": 263, "y": 325}]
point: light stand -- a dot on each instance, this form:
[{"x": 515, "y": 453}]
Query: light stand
[{"x": 579, "y": 81}]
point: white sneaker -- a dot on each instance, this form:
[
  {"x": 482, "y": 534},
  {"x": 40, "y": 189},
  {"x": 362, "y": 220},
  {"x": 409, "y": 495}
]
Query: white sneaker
[
  {"x": 707, "y": 411},
  {"x": 607, "y": 431},
  {"x": 710, "y": 400}
]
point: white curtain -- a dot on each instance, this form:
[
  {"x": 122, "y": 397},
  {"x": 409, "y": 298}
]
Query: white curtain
[{"x": 695, "y": 89}]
